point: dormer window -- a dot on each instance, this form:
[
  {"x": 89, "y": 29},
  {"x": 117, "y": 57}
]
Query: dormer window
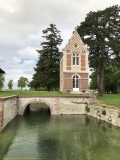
[{"x": 75, "y": 59}]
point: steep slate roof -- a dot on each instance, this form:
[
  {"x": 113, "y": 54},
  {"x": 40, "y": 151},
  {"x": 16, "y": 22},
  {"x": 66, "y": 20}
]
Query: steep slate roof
[{"x": 1, "y": 71}]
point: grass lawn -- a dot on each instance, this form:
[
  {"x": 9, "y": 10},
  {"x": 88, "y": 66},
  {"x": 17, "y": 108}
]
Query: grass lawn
[
  {"x": 33, "y": 93},
  {"x": 110, "y": 99}
]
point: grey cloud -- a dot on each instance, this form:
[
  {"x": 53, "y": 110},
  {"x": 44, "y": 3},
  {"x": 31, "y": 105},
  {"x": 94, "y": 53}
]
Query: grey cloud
[{"x": 21, "y": 28}]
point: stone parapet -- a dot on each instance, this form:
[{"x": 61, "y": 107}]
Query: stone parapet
[
  {"x": 12, "y": 106},
  {"x": 110, "y": 115},
  {"x": 57, "y": 105},
  {"x": 1, "y": 113},
  {"x": 8, "y": 110}
]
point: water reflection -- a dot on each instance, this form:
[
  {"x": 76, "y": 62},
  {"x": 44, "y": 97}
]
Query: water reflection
[
  {"x": 39, "y": 135},
  {"x": 7, "y": 136}
]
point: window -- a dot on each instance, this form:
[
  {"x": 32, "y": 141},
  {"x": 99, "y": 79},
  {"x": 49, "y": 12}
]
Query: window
[
  {"x": 75, "y": 81},
  {"x": 75, "y": 45},
  {"x": 75, "y": 59}
]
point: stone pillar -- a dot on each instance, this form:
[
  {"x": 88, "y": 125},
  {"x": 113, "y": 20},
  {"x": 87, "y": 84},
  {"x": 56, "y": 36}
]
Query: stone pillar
[{"x": 1, "y": 113}]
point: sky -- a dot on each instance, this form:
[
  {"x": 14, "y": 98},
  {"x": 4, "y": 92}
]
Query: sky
[{"x": 21, "y": 25}]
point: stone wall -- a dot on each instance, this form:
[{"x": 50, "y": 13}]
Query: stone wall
[
  {"x": 72, "y": 105},
  {"x": 12, "y": 106},
  {"x": 8, "y": 110},
  {"x": 57, "y": 105},
  {"x": 1, "y": 113},
  {"x": 109, "y": 115}
]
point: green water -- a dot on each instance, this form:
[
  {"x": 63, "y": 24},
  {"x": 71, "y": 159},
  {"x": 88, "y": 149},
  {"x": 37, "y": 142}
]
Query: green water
[{"x": 39, "y": 136}]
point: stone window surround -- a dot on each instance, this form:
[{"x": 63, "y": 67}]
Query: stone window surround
[
  {"x": 75, "y": 59},
  {"x": 75, "y": 81}
]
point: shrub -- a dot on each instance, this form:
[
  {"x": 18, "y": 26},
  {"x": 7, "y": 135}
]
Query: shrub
[
  {"x": 87, "y": 108},
  {"x": 104, "y": 112}
]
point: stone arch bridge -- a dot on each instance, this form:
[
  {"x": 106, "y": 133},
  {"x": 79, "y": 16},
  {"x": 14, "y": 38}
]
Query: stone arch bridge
[{"x": 16, "y": 105}]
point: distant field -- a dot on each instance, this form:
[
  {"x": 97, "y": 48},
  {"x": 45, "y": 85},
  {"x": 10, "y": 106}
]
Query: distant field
[
  {"x": 110, "y": 99},
  {"x": 34, "y": 93}
]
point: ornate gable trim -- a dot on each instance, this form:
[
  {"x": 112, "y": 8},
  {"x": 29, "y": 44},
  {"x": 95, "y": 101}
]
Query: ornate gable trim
[{"x": 75, "y": 44}]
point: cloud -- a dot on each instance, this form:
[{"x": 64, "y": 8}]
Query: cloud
[
  {"x": 28, "y": 52},
  {"x": 16, "y": 60},
  {"x": 21, "y": 25},
  {"x": 9, "y": 7},
  {"x": 29, "y": 62}
]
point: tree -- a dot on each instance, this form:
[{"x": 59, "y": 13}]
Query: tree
[
  {"x": 2, "y": 79},
  {"x": 10, "y": 84},
  {"x": 35, "y": 83},
  {"x": 112, "y": 78},
  {"x": 93, "y": 82},
  {"x": 47, "y": 67},
  {"x": 101, "y": 32},
  {"x": 22, "y": 82}
]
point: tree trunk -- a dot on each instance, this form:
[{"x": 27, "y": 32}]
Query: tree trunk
[
  {"x": 115, "y": 88},
  {"x": 100, "y": 79},
  {"x": 48, "y": 88}
]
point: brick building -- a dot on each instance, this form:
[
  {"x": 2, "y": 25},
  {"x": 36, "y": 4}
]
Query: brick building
[{"x": 74, "y": 66}]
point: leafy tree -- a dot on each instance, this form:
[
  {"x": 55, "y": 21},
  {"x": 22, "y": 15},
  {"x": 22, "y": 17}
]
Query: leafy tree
[
  {"x": 35, "y": 83},
  {"x": 22, "y": 82},
  {"x": 10, "y": 84},
  {"x": 2, "y": 79},
  {"x": 101, "y": 32},
  {"x": 111, "y": 78},
  {"x": 47, "y": 67},
  {"x": 93, "y": 82}
]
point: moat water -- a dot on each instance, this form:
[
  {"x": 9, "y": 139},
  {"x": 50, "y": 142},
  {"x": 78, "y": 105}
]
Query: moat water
[{"x": 41, "y": 136}]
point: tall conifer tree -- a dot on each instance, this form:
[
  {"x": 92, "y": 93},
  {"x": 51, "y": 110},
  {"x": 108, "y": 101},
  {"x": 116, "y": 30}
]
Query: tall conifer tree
[{"x": 47, "y": 67}]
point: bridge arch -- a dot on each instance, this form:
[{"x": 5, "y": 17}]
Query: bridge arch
[{"x": 38, "y": 101}]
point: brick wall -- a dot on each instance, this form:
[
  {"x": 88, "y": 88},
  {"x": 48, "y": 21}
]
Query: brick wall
[
  {"x": 83, "y": 63},
  {"x": 67, "y": 87},
  {"x": 83, "y": 75},
  {"x": 83, "y": 85},
  {"x": 68, "y": 82},
  {"x": 68, "y": 62},
  {"x": 68, "y": 75}
]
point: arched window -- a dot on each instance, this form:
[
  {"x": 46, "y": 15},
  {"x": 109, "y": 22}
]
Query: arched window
[{"x": 75, "y": 81}]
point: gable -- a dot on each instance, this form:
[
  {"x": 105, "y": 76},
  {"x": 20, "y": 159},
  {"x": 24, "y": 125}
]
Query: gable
[{"x": 75, "y": 44}]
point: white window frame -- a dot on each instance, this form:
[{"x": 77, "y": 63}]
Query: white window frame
[
  {"x": 75, "y": 59},
  {"x": 75, "y": 83}
]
